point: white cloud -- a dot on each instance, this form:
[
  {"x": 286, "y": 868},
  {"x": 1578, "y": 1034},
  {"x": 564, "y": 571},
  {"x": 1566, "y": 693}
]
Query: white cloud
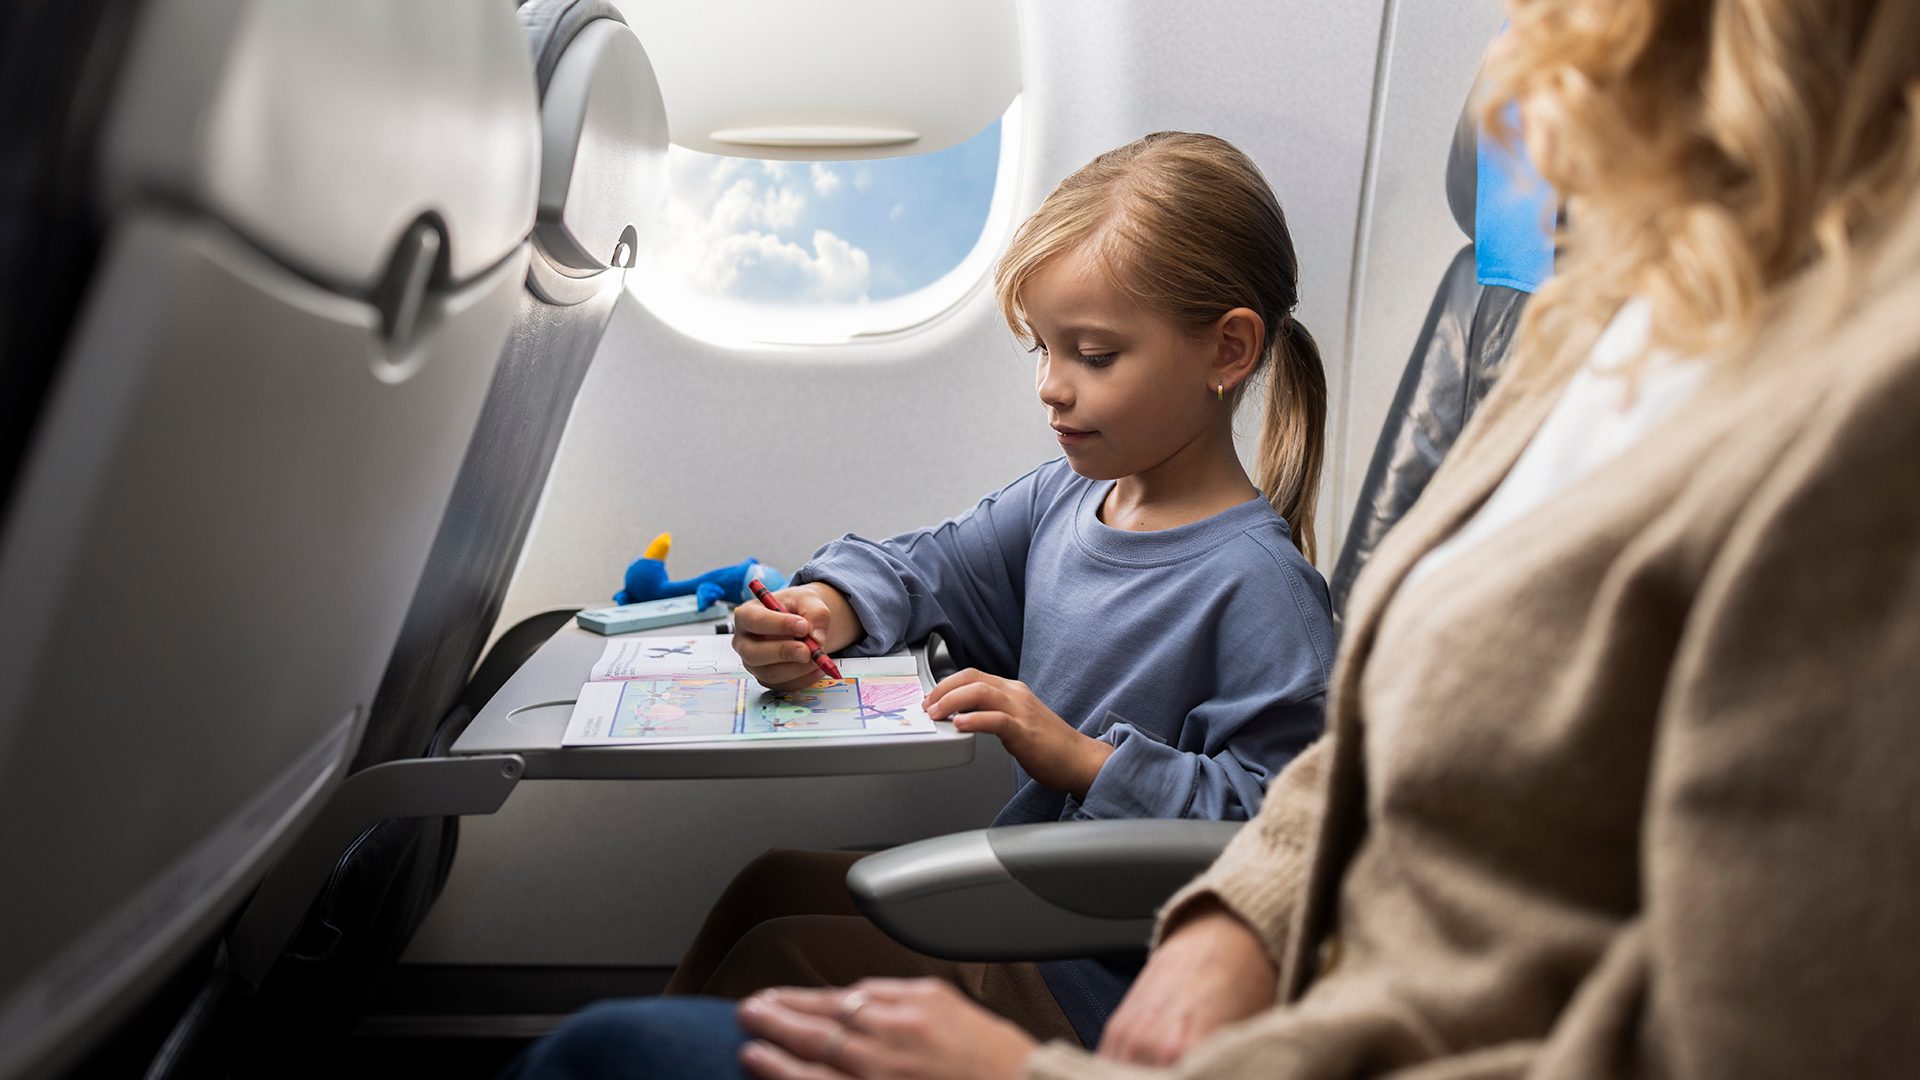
[
  {"x": 761, "y": 266},
  {"x": 840, "y": 268},
  {"x": 899, "y": 211},
  {"x": 733, "y": 231},
  {"x": 745, "y": 204}
]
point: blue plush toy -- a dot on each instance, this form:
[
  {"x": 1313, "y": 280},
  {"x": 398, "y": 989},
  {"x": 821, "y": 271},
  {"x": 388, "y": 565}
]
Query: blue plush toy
[{"x": 647, "y": 579}]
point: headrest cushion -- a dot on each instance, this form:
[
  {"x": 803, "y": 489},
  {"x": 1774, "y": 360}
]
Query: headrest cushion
[
  {"x": 1463, "y": 165},
  {"x": 550, "y": 26}
]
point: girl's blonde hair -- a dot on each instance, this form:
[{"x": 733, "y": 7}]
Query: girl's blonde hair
[
  {"x": 1185, "y": 225},
  {"x": 1707, "y": 150}
]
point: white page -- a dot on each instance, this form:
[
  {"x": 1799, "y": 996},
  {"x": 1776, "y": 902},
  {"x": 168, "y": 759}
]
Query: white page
[
  {"x": 854, "y": 667},
  {"x": 649, "y": 657}
]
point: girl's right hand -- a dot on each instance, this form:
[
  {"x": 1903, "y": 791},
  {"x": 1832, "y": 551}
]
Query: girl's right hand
[{"x": 770, "y": 645}]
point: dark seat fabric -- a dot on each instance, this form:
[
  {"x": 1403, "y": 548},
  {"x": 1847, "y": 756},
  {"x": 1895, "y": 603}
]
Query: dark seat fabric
[{"x": 1463, "y": 345}]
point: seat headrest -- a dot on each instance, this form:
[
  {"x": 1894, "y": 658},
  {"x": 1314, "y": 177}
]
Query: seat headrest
[
  {"x": 1463, "y": 163},
  {"x": 550, "y": 26},
  {"x": 320, "y": 132},
  {"x": 603, "y": 133}
]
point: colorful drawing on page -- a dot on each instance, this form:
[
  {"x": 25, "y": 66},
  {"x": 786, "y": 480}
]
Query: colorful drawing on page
[
  {"x": 828, "y": 705},
  {"x": 657, "y": 708},
  {"x": 892, "y": 702}
]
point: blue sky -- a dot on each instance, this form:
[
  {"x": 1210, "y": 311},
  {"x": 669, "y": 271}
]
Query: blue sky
[{"x": 825, "y": 232}]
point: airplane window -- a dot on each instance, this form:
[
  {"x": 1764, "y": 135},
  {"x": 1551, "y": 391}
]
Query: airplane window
[{"x": 801, "y": 252}]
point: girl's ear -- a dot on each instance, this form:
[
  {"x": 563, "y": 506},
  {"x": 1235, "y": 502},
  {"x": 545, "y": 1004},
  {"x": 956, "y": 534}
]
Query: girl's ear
[{"x": 1239, "y": 338}]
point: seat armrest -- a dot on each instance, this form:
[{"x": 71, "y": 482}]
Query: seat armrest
[
  {"x": 940, "y": 659},
  {"x": 1034, "y": 892}
]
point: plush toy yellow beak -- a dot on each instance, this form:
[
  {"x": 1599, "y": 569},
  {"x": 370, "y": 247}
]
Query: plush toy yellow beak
[{"x": 658, "y": 549}]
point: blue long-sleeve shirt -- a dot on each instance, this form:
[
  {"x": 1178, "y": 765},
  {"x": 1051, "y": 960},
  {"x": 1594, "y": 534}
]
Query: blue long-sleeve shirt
[{"x": 1201, "y": 653}]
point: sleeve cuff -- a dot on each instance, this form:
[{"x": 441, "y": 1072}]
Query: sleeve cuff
[
  {"x": 1247, "y": 879},
  {"x": 1262, "y": 874},
  {"x": 868, "y": 593},
  {"x": 1142, "y": 778}
]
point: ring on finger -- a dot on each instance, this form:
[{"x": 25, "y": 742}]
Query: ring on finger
[
  {"x": 849, "y": 1007},
  {"x": 830, "y": 1053}
]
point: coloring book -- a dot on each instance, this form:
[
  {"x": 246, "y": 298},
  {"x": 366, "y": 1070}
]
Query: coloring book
[{"x": 649, "y": 691}]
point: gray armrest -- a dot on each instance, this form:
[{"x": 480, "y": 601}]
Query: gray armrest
[
  {"x": 1034, "y": 892},
  {"x": 940, "y": 660}
]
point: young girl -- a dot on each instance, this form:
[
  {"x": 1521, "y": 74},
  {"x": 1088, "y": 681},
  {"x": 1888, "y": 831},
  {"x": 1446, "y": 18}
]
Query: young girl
[{"x": 1146, "y": 632}]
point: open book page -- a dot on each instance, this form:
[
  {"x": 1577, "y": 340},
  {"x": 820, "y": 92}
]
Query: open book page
[
  {"x": 649, "y": 691},
  {"x": 656, "y": 657}
]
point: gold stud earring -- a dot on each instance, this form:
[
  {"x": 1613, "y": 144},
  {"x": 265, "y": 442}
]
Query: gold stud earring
[{"x": 1220, "y": 391}]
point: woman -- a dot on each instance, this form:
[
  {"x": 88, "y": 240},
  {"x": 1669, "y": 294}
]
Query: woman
[{"x": 1623, "y": 765}]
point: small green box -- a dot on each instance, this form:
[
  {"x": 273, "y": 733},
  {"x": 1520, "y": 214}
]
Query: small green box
[{"x": 627, "y": 618}]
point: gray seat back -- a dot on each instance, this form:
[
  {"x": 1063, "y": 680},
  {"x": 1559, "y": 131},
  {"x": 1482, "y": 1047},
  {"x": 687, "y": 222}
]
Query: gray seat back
[{"x": 315, "y": 218}]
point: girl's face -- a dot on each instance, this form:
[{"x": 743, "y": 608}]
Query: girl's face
[{"x": 1125, "y": 389}]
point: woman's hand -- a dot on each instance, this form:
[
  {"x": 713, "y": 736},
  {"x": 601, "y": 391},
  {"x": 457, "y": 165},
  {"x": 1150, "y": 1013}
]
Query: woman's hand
[
  {"x": 769, "y": 642},
  {"x": 1211, "y": 971},
  {"x": 893, "y": 1028},
  {"x": 1046, "y": 746}
]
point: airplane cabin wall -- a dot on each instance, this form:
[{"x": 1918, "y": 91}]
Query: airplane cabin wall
[{"x": 771, "y": 451}]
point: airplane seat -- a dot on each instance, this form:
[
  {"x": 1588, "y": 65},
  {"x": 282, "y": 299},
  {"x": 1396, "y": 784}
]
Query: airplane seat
[
  {"x": 312, "y": 222},
  {"x": 1089, "y": 888},
  {"x": 1461, "y": 348},
  {"x": 603, "y": 145}
]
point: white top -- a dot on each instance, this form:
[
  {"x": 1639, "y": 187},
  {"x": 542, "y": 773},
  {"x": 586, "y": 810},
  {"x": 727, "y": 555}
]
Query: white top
[{"x": 1600, "y": 414}]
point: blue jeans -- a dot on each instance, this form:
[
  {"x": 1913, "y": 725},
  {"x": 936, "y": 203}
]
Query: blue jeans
[{"x": 641, "y": 1039}]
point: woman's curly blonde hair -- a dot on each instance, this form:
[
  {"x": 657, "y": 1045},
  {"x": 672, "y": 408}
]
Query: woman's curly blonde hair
[{"x": 1708, "y": 150}]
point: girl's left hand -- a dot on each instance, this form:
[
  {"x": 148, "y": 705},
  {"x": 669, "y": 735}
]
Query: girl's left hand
[
  {"x": 893, "y": 1028},
  {"x": 1046, "y": 746}
]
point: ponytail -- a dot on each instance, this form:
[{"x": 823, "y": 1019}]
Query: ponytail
[{"x": 1293, "y": 432}]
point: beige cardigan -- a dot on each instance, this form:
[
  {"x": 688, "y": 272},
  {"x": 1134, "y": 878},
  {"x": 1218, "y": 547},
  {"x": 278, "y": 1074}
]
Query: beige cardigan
[{"x": 1632, "y": 787}]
